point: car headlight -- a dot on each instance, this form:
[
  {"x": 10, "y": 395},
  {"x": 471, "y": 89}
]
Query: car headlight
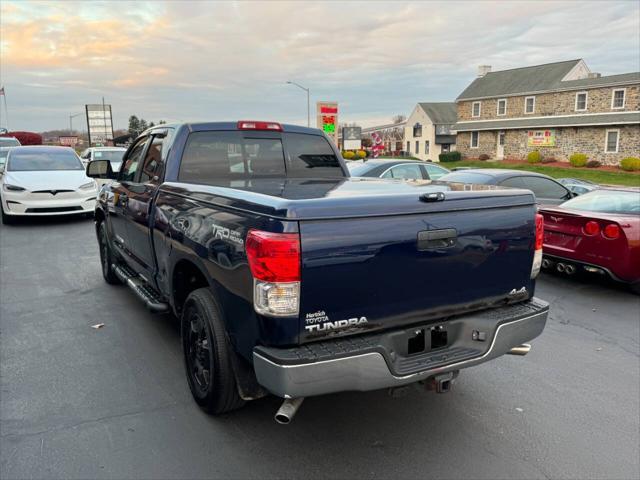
[
  {"x": 12, "y": 188},
  {"x": 89, "y": 186}
]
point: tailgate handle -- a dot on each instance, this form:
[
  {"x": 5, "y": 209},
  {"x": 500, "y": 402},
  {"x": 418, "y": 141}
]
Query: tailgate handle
[
  {"x": 437, "y": 239},
  {"x": 432, "y": 197}
]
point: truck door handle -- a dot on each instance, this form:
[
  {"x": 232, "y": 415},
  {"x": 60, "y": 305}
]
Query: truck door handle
[{"x": 437, "y": 239}]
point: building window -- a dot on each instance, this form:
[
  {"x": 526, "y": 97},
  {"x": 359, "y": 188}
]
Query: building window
[
  {"x": 417, "y": 146},
  {"x": 475, "y": 137},
  {"x": 502, "y": 106},
  {"x": 529, "y": 104},
  {"x": 617, "y": 98},
  {"x": 417, "y": 130},
  {"x": 581, "y": 101},
  {"x": 426, "y": 146},
  {"x": 611, "y": 141},
  {"x": 475, "y": 109},
  {"x": 408, "y": 145}
]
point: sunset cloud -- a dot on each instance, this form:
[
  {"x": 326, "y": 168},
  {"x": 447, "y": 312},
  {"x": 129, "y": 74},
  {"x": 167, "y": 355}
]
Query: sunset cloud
[{"x": 225, "y": 60}]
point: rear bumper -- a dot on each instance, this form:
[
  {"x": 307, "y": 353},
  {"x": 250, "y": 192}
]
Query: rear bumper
[
  {"x": 375, "y": 361},
  {"x": 605, "y": 267}
]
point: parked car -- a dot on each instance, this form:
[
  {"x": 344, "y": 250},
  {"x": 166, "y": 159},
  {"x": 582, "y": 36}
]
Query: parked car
[
  {"x": 598, "y": 232},
  {"x": 578, "y": 186},
  {"x": 547, "y": 190},
  {"x": 113, "y": 154},
  {"x": 397, "y": 169},
  {"x": 39, "y": 180},
  {"x": 6, "y": 143},
  {"x": 293, "y": 279}
]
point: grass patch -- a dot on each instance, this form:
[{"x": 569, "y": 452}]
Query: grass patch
[{"x": 605, "y": 177}]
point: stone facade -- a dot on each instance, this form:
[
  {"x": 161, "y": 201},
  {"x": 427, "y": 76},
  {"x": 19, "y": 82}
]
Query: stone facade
[
  {"x": 569, "y": 140},
  {"x": 555, "y": 103}
]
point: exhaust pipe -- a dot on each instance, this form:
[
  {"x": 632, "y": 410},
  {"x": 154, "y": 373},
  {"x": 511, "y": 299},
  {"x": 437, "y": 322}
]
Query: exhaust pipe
[
  {"x": 569, "y": 269},
  {"x": 561, "y": 267},
  {"x": 546, "y": 263},
  {"x": 520, "y": 350},
  {"x": 288, "y": 410}
]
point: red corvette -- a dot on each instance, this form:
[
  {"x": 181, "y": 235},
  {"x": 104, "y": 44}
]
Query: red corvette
[{"x": 598, "y": 232}]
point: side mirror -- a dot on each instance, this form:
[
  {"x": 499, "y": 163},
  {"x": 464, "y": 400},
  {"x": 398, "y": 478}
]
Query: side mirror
[{"x": 100, "y": 169}]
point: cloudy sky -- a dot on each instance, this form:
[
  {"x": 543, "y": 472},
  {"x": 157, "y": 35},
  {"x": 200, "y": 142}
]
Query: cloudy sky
[{"x": 230, "y": 60}]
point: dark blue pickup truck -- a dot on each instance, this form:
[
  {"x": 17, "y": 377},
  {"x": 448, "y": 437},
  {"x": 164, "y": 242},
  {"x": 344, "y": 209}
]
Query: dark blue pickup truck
[{"x": 293, "y": 279}]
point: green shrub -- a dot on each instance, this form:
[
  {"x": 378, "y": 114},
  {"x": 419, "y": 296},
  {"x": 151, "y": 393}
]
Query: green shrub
[
  {"x": 361, "y": 154},
  {"x": 450, "y": 157},
  {"x": 484, "y": 157},
  {"x": 578, "y": 159},
  {"x": 593, "y": 164},
  {"x": 630, "y": 164},
  {"x": 534, "y": 157}
]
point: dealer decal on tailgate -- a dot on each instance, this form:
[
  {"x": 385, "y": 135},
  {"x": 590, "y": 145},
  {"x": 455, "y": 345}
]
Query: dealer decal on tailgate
[{"x": 319, "y": 322}]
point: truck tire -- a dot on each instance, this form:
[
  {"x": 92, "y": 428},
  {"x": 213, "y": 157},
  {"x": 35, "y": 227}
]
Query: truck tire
[
  {"x": 106, "y": 256},
  {"x": 207, "y": 354}
]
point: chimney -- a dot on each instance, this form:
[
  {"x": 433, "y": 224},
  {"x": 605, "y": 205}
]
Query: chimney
[
  {"x": 594, "y": 75},
  {"x": 483, "y": 70}
]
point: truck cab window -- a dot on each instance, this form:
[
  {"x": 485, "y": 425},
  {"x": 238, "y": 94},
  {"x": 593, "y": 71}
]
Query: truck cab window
[
  {"x": 153, "y": 164},
  {"x": 128, "y": 171}
]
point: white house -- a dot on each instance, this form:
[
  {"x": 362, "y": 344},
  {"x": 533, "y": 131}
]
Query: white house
[{"x": 427, "y": 132}]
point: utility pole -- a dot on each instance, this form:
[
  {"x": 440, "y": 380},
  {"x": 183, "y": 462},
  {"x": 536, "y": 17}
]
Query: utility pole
[
  {"x": 71, "y": 117},
  {"x": 308, "y": 100}
]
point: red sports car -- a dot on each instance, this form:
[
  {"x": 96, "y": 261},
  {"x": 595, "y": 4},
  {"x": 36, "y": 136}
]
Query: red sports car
[{"x": 598, "y": 232}]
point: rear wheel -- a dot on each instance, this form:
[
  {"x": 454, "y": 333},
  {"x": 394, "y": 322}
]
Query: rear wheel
[
  {"x": 106, "y": 257},
  {"x": 207, "y": 354}
]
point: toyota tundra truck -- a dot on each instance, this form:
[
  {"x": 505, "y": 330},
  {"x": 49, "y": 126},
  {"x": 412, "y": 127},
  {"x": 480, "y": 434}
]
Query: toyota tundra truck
[{"x": 290, "y": 278}]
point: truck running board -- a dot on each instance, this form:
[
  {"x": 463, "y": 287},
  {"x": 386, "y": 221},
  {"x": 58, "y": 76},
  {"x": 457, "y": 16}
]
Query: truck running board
[{"x": 145, "y": 292}]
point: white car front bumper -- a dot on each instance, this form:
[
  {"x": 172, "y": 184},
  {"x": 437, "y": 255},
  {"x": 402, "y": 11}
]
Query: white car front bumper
[{"x": 44, "y": 204}]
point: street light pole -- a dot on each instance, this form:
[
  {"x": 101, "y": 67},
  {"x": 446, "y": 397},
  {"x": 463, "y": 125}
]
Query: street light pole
[
  {"x": 71, "y": 117},
  {"x": 308, "y": 100}
]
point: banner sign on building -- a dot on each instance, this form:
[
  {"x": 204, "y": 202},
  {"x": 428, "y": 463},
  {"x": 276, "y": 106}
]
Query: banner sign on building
[
  {"x": 541, "y": 138},
  {"x": 68, "y": 141},
  {"x": 352, "y": 138},
  {"x": 99, "y": 124},
  {"x": 327, "y": 119}
]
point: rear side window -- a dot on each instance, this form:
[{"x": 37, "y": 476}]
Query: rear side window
[
  {"x": 545, "y": 188},
  {"x": 310, "y": 156},
  {"x": 218, "y": 157},
  {"x": 215, "y": 157}
]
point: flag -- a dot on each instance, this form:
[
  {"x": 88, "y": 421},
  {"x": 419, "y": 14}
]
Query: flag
[{"x": 1, "y": 90}]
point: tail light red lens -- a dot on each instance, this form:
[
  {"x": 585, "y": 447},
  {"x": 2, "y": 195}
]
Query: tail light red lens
[
  {"x": 591, "y": 227},
  {"x": 611, "y": 231},
  {"x": 252, "y": 125},
  {"x": 274, "y": 257},
  {"x": 539, "y": 231}
]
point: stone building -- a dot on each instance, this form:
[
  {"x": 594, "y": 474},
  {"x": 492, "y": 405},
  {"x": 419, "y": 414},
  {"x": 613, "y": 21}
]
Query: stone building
[
  {"x": 427, "y": 132},
  {"x": 558, "y": 109}
]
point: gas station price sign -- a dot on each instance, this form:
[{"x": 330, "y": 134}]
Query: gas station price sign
[{"x": 327, "y": 119}]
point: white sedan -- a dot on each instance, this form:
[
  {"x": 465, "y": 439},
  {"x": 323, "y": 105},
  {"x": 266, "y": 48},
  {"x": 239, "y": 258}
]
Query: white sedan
[{"x": 40, "y": 180}]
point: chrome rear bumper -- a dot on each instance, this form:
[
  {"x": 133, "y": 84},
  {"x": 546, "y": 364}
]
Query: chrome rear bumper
[{"x": 372, "y": 364}]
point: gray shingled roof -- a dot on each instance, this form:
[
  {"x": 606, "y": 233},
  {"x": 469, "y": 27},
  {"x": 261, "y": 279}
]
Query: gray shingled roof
[
  {"x": 570, "y": 121},
  {"x": 609, "y": 79},
  {"x": 441, "y": 113},
  {"x": 537, "y": 78}
]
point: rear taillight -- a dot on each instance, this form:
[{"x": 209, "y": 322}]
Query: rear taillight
[
  {"x": 537, "y": 255},
  {"x": 591, "y": 228},
  {"x": 252, "y": 125},
  {"x": 274, "y": 260},
  {"x": 611, "y": 231}
]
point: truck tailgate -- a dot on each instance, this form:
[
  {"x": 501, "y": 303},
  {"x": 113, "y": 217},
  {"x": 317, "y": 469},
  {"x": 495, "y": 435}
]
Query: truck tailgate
[{"x": 379, "y": 272}]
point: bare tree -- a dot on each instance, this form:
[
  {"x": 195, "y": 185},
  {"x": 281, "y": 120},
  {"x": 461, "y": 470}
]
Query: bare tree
[{"x": 398, "y": 118}]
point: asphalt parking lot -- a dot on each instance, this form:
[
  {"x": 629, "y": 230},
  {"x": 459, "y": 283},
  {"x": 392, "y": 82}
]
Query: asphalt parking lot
[{"x": 78, "y": 402}]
